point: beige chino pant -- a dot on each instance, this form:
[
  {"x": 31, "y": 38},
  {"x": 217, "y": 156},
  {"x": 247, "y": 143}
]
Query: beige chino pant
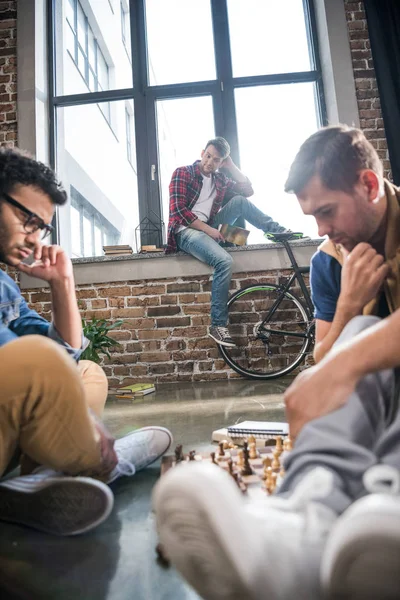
[{"x": 44, "y": 406}]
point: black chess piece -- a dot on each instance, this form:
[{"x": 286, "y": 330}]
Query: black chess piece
[
  {"x": 191, "y": 454},
  {"x": 179, "y": 456},
  {"x": 246, "y": 470}
]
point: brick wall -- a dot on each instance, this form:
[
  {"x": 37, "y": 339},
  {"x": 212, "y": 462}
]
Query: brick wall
[
  {"x": 369, "y": 106},
  {"x": 164, "y": 332},
  {"x": 8, "y": 72}
]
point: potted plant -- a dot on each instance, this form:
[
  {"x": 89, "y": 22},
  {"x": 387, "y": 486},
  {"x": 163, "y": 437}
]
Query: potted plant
[{"x": 96, "y": 331}]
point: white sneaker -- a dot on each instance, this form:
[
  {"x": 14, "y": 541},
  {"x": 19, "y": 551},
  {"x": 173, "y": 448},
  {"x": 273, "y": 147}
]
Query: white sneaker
[
  {"x": 362, "y": 556},
  {"x": 139, "y": 449},
  {"x": 55, "y": 503},
  {"x": 230, "y": 548}
]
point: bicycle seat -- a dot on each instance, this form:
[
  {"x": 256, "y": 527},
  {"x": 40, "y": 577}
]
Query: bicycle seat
[{"x": 284, "y": 236}]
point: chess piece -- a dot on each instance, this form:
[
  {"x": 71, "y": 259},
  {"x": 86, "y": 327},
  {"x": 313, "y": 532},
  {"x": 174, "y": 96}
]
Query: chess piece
[
  {"x": 213, "y": 458},
  {"x": 287, "y": 444},
  {"x": 179, "y": 456},
  {"x": 267, "y": 464},
  {"x": 230, "y": 466},
  {"x": 282, "y": 473},
  {"x": 253, "y": 450},
  {"x": 225, "y": 444},
  {"x": 191, "y": 455},
  {"x": 251, "y": 440},
  {"x": 276, "y": 462},
  {"x": 279, "y": 445},
  {"x": 246, "y": 470},
  {"x": 269, "y": 480},
  {"x": 240, "y": 459},
  {"x": 221, "y": 449}
]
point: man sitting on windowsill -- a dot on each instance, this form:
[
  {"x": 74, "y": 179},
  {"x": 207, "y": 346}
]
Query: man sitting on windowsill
[{"x": 197, "y": 193}]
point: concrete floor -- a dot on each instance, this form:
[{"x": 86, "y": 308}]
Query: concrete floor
[{"x": 117, "y": 561}]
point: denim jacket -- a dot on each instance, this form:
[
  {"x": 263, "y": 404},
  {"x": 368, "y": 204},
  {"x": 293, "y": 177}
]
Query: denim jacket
[{"x": 17, "y": 319}]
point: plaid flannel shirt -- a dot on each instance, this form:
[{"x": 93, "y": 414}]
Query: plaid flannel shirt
[{"x": 184, "y": 191}]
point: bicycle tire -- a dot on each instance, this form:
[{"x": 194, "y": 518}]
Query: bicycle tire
[{"x": 251, "y": 358}]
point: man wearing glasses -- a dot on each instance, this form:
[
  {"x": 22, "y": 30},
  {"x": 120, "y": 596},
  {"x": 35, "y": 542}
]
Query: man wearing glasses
[{"x": 49, "y": 404}]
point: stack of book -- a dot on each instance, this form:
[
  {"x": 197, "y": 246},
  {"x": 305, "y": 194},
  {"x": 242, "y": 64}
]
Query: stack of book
[
  {"x": 117, "y": 250},
  {"x": 134, "y": 391},
  {"x": 151, "y": 248}
]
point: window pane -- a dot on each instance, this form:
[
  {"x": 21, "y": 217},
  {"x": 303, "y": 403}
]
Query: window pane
[
  {"x": 70, "y": 12},
  {"x": 103, "y": 28},
  {"x": 70, "y": 40},
  {"x": 87, "y": 236},
  {"x": 267, "y": 37},
  {"x": 98, "y": 246},
  {"x": 93, "y": 165},
  {"x": 81, "y": 27},
  {"x": 102, "y": 70},
  {"x": 180, "y": 41},
  {"x": 91, "y": 50},
  {"x": 273, "y": 121},
  {"x": 178, "y": 144},
  {"x": 76, "y": 232}
]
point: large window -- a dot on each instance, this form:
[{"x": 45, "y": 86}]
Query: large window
[{"x": 129, "y": 74}]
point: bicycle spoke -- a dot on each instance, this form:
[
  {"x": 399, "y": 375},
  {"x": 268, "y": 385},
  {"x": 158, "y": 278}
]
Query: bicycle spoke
[{"x": 270, "y": 330}]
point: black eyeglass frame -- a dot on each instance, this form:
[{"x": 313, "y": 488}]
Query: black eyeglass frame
[{"x": 33, "y": 222}]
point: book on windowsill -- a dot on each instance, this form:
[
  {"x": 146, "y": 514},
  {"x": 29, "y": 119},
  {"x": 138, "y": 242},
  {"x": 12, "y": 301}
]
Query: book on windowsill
[
  {"x": 151, "y": 248},
  {"x": 263, "y": 431},
  {"x": 117, "y": 250}
]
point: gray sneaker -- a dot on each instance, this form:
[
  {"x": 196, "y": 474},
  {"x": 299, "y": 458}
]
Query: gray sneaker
[
  {"x": 55, "y": 503},
  {"x": 222, "y": 336},
  {"x": 139, "y": 449}
]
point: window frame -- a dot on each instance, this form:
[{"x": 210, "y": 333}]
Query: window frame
[{"x": 145, "y": 96}]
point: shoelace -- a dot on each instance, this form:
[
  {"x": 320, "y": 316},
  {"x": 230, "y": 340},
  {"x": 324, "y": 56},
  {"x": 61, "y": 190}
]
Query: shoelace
[
  {"x": 224, "y": 332},
  {"x": 125, "y": 467},
  {"x": 382, "y": 479}
]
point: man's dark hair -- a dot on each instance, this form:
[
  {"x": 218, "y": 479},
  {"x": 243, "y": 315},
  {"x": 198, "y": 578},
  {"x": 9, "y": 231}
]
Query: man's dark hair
[
  {"x": 19, "y": 168},
  {"x": 336, "y": 154},
  {"x": 221, "y": 146}
]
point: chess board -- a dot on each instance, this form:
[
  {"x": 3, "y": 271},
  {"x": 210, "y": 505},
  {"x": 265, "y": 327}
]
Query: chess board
[{"x": 252, "y": 485}]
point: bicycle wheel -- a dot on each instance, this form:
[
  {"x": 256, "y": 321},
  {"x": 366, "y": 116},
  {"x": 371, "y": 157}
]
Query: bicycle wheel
[{"x": 272, "y": 331}]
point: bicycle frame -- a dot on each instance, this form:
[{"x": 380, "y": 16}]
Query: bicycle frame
[{"x": 284, "y": 288}]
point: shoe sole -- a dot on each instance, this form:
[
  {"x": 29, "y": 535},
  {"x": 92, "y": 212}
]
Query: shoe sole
[
  {"x": 362, "y": 556},
  {"x": 197, "y": 509},
  {"x": 226, "y": 344},
  {"x": 63, "y": 507}
]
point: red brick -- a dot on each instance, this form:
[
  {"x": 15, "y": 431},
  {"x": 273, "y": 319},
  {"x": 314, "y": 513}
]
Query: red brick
[
  {"x": 173, "y": 288},
  {"x": 189, "y": 332},
  {"x": 138, "y": 324},
  {"x": 147, "y": 290},
  {"x": 154, "y": 334},
  {"x": 145, "y": 301},
  {"x": 116, "y": 302},
  {"x": 99, "y": 304},
  {"x": 173, "y": 322},
  {"x": 121, "y": 313},
  {"x": 155, "y": 357},
  {"x": 169, "y": 299},
  {"x": 163, "y": 368},
  {"x": 110, "y": 292},
  {"x": 163, "y": 311}
]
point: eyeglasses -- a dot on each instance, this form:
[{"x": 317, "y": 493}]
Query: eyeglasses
[{"x": 33, "y": 222}]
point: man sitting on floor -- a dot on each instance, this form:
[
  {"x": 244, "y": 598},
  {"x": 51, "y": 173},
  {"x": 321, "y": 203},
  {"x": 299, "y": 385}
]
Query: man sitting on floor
[
  {"x": 334, "y": 525},
  {"x": 197, "y": 195},
  {"x": 50, "y": 405}
]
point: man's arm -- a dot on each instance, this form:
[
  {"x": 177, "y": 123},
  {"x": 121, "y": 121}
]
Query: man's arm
[
  {"x": 240, "y": 183},
  {"x": 363, "y": 274},
  {"x": 213, "y": 233},
  {"x": 327, "y": 386},
  {"x": 54, "y": 266}
]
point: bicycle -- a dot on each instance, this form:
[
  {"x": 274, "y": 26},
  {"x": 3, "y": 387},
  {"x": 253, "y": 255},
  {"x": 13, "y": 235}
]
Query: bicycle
[{"x": 272, "y": 327}]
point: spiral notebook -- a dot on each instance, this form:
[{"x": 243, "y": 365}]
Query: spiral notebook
[{"x": 260, "y": 429}]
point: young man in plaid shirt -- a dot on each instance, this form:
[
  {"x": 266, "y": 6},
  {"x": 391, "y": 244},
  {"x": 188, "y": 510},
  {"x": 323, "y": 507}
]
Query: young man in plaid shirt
[{"x": 197, "y": 193}]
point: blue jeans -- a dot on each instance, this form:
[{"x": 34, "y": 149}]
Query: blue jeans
[{"x": 202, "y": 246}]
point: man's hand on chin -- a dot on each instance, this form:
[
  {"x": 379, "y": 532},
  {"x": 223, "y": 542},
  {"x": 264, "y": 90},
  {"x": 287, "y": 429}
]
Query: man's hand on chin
[
  {"x": 318, "y": 391},
  {"x": 51, "y": 264}
]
